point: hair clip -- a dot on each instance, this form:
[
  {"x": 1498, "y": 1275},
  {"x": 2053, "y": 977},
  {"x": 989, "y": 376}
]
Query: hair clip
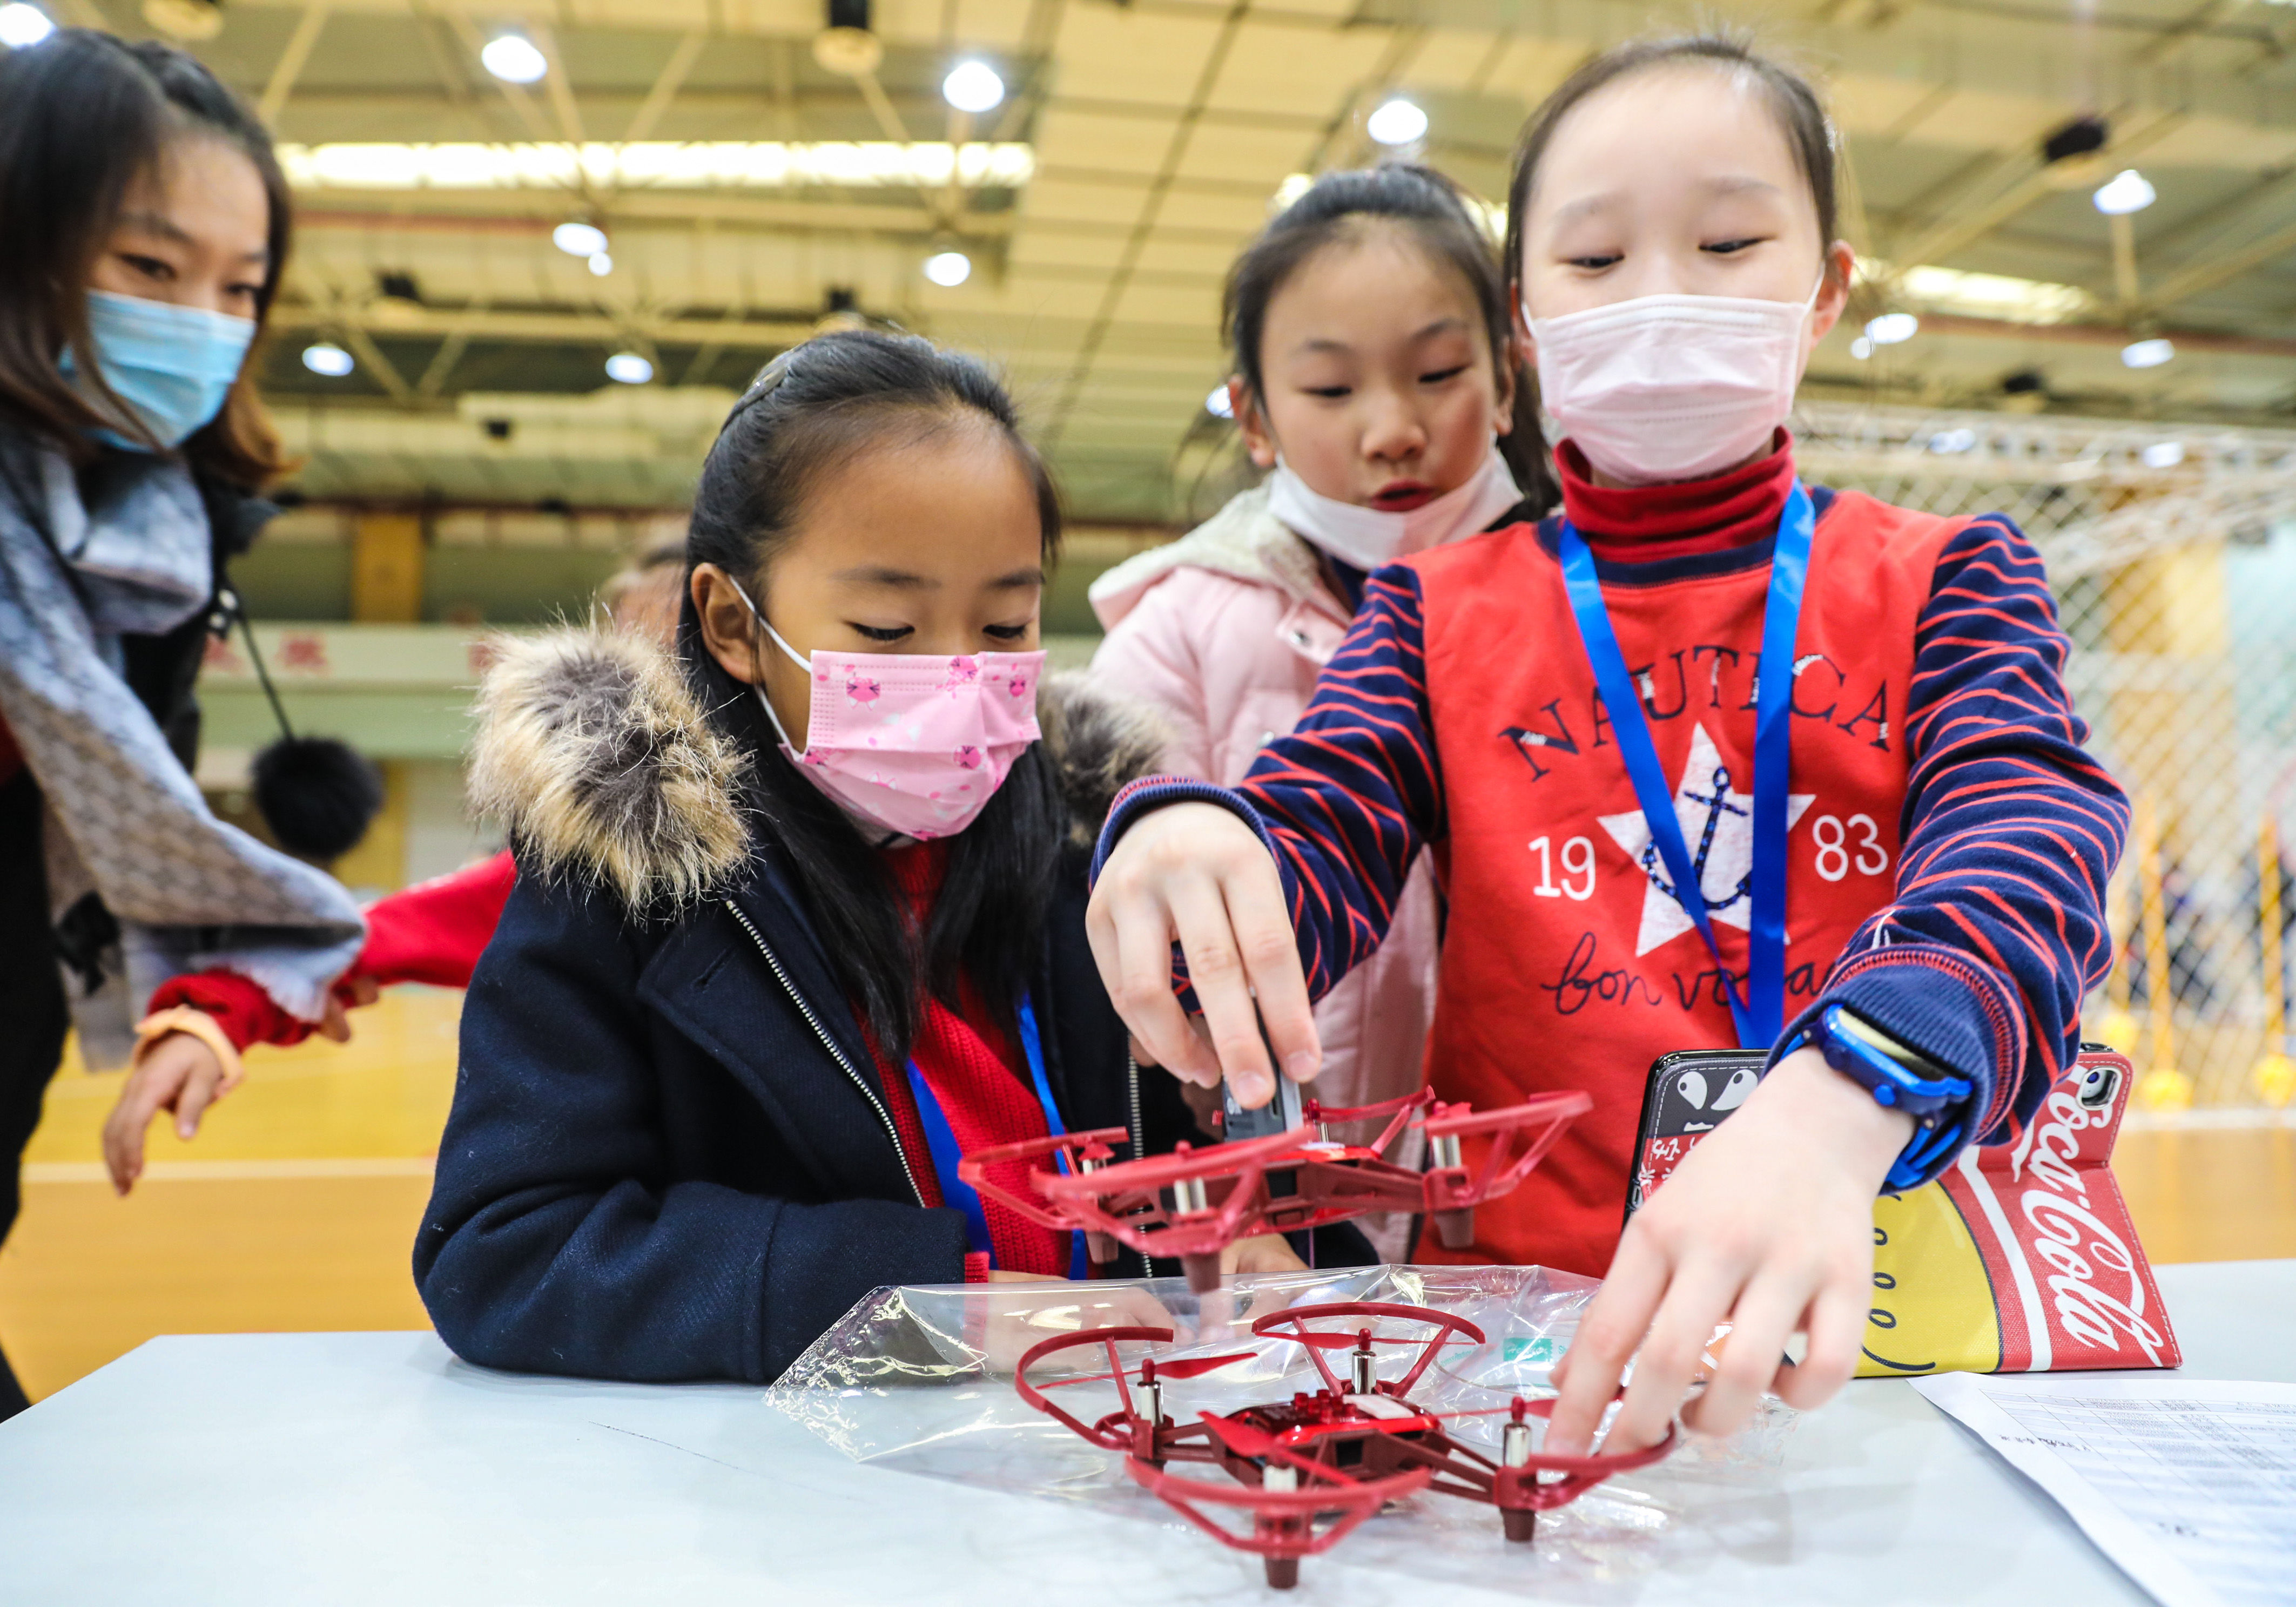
[{"x": 768, "y": 378}]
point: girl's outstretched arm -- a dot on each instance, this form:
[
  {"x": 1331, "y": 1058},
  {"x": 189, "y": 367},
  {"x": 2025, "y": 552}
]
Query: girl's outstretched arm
[
  {"x": 1279, "y": 887},
  {"x": 1979, "y": 963}
]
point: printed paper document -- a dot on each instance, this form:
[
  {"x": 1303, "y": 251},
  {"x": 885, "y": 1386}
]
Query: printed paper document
[{"x": 2189, "y": 1486}]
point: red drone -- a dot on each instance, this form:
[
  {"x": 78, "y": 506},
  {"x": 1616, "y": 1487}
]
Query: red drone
[
  {"x": 1193, "y": 1202},
  {"x": 1336, "y": 1456}
]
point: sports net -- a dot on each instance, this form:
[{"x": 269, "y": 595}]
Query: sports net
[{"x": 2172, "y": 551}]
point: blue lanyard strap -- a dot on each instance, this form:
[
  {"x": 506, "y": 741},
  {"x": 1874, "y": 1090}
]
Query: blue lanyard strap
[
  {"x": 1759, "y": 1012},
  {"x": 941, "y": 1140}
]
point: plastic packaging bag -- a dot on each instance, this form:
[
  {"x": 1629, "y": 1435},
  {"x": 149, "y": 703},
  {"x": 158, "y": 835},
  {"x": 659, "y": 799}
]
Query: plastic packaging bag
[{"x": 920, "y": 1379}]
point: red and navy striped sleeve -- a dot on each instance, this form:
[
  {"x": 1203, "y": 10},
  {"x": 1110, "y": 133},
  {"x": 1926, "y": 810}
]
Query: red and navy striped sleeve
[
  {"x": 2010, "y": 829},
  {"x": 1346, "y": 799}
]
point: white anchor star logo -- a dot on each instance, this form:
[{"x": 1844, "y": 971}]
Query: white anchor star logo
[{"x": 1718, "y": 828}]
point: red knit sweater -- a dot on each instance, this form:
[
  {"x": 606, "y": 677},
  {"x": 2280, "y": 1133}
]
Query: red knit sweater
[{"x": 980, "y": 1078}]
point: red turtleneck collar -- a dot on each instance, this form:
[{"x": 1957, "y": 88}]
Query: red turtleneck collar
[{"x": 1647, "y": 524}]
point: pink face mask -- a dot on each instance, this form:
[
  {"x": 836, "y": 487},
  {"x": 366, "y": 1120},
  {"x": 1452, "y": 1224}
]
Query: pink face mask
[{"x": 916, "y": 742}]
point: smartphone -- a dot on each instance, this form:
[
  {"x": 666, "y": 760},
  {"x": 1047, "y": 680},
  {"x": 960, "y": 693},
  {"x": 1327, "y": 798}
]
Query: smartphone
[
  {"x": 1687, "y": 1094},
  {"x": 1690, "y": 1092}
]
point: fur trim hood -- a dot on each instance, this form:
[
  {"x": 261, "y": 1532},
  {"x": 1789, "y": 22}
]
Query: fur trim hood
[
  {"x": 594, "y": 751},
  {"x": 1243, "y": 540}
]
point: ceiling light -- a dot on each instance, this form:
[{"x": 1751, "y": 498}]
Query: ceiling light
[
  {"x": 600, "y": 264},
  {"x": 1861, "y": 348},
  {"x": 1397, "y": 122},
  {"x": 1219, "y": 404},
  {"x": 973, "y": 87},
  {"x": 578, "y": 239},
  {"x": 324, "y": 357},
  {"x": 2147, "y": 354},
  {"x": 628, "y": 368},
  {"x": 1890, "y": 328},
  {"x": 23, "y": 26},
  {"x": 2164, "y": 454},
  {"x": 948, "y": 269},
  {"x": 2127, "y": 191},
  {"x": 513, "y": 59},
  {"x": 848, "y": 51}
]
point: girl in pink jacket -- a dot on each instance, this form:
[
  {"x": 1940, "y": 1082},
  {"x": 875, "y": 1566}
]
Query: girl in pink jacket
[{"x": 1375, "y": 373}]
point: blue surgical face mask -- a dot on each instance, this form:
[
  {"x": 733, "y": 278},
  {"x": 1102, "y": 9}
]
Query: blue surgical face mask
[{"x": 173, "y": 365}]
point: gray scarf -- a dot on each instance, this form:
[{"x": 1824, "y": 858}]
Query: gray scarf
[{"x": 124, "y": 820}]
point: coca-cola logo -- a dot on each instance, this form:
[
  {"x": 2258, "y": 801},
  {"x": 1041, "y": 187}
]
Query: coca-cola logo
[
  {"x": 2075, "y": 1243},
  {"x": 2056, "y": 1144}
]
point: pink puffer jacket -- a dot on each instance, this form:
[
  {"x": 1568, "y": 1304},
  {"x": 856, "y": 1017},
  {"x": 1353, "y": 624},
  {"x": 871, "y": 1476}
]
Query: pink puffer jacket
[{"x": 1225, "y": 631}]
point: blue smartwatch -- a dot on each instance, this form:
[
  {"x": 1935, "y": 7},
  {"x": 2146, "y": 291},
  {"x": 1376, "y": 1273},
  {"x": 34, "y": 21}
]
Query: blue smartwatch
[{"x": 1897, "y": 1078}]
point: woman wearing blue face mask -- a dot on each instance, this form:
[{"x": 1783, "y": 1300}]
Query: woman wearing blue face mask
[{"x": 143, "y": 222}]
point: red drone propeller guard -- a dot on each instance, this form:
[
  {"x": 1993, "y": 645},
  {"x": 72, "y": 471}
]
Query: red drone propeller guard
[
  {"x": 1317, "y": 1113},
  {"x": 1272, "y": 1324},
  {"x": 1110, "y": 1337},
  {"x": 1521, "y": 1486},
  {"x": 1544, "y": 1118},
  {"x": 1352, "y": 1500},
  {"x": 1126, "y": 1201}
]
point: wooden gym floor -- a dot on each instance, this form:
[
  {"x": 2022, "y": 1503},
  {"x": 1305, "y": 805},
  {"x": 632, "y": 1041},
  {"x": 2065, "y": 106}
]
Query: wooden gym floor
[{"x": 297, "y": 1207}]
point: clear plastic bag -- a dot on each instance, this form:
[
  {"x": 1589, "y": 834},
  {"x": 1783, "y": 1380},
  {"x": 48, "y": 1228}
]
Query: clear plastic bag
[{"x": 920, "y": 1379}]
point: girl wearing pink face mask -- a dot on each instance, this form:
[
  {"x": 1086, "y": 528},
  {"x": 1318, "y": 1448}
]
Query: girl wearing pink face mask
[
  {"x": 799, "y": 911},
  {"x": 1712, "y": 758},
  {"x": 1374, "y": 379}
]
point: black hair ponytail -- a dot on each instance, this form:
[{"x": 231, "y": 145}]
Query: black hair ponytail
[{"x": 814, "y": 408}]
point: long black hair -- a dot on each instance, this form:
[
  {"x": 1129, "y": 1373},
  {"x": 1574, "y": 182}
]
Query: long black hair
[
  {"x": 1436, "y": 213},
  {"x": 84, "y": 116},
  {"x": 817, "y": 406}
]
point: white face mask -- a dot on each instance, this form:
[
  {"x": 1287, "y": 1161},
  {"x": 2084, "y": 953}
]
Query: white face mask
[
  {"x": 1666, "y": 387},
  {"x": 1367, "y": 537}
]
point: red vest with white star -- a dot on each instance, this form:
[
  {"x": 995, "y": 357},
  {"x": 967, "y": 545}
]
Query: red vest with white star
[{"x": 1566, "y": 961}]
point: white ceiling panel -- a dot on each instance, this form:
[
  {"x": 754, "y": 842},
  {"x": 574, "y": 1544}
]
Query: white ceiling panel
[
  {"x": 1118, "y": 54},
  {"x": 1093, "y": 140},
  {"x": 1201, "y": 260},
  {"x": 1286, "y": 68},
  {"x": 1068, "y": 200},
  {"x": 1038, "y": 248},
  {"x": 1187, "y": 307},
  {"x": 1449, "y": 58},
  {"x": 1259, "y": 155}
]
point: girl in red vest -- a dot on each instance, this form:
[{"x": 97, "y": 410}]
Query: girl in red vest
[{"x": 1712, "y": 758}]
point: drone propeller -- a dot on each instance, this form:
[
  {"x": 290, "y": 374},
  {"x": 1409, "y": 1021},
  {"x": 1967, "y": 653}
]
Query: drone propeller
[{"x": 1195, "y": 1367}]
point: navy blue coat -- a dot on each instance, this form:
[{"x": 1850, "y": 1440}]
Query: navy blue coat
[{"x": 668, "y": 1155}]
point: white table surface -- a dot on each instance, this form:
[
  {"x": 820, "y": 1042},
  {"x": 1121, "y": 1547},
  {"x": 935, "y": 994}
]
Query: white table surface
[{"x": 254, "y": 1469}]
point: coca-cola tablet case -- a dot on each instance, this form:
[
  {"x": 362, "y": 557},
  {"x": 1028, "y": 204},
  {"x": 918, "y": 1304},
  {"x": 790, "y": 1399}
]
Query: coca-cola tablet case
[{"x": 2020, "y": 1259}]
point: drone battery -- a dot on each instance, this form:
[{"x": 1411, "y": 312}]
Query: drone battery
[{"x": 1280, "y": 1114}]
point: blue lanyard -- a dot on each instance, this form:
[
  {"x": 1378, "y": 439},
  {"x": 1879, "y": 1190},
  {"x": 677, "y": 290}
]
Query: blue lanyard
[
  {"x": 1759, "y": 1012},
  {"x": 942, "y": 1142}
]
